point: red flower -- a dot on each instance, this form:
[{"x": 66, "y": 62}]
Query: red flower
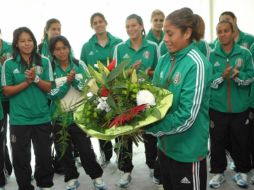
[
  {"x": 104, "y": 92},
  {"x": 112, "y": 65},
  {"x": 123, "y": 118}
]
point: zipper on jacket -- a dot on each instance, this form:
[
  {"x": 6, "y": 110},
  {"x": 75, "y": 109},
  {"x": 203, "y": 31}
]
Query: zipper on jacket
[
  {"x": 229, "y": 89},
  {"x": 168, "y": 80}
]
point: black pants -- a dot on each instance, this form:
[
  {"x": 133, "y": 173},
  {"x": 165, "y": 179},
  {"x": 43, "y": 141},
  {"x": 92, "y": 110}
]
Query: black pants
[
  {"x": 41, "y": 137},
  {"x": 2, "y": 175},
  {"x": 232, "y": 128},
  {"x": 7, "y": 160},
  {"x": 86, "y": 153},
  {"x": 125, "y": 154},
  {"x": 182, "y": 176},
  {"x": 251, "y": 137},
  {"x": 106, "y": 149},
  {"x": 151, "y": 153}
]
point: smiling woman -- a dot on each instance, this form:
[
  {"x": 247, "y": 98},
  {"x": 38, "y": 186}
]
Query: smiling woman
[{"x": 26, "y": 80}]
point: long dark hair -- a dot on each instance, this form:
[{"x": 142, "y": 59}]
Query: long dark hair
[
  {"x": 16, "y": 51},
  {"x": 52, "y": 45}
]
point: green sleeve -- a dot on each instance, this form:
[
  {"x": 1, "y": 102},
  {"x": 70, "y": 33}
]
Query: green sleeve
[
  {"x": 217, "y": 80},
  {"x": 78, "y": 83},
  {"x": 183, "y": 117},
  {"x": 58, "y": 93},
  {"x": 246, "y": 76},
  {"x": 83, "y": 56},
  {"x": 47, "y": 74},
  {"x": 7, "y": 76}
]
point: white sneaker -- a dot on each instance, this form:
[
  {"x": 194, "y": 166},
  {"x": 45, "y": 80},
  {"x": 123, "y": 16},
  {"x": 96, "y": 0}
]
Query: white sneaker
[
  {"x": 154, "y": 179},
  {"x": 78, "y": 162},
  {"x": 241, "y": 180},
  {"x": 151, "y": 172},
  {"x": 99, "y": 184},
  {"x": 252, "y": 180},
  {"x": 72, "y": 184},
  {"x": 125, "y": 180},
  {"x": 104, "y": 163},
  {"x": 160, "y": 187},
  {"x": 216, "y": 181}
]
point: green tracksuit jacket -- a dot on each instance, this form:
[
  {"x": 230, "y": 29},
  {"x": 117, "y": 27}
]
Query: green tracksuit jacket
[
  {"x": 92, "y": 51},
  {"x": 183, "y": 132},
  {"x": 57, "y": 93},
  {"x": 231, "y": 95},
  {"x": 147, "y": 53}
]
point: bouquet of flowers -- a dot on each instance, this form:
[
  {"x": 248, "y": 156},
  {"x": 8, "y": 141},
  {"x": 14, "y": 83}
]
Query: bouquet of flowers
[{"x": 118, "y": 101}]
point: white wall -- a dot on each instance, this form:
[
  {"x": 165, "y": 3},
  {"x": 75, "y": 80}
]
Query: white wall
[{"x": 75, "y": 17}]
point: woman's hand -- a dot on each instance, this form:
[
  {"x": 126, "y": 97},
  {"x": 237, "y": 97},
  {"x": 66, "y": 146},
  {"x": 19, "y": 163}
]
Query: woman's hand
[
  {"x": 137, "y": 64},
  {"x": 226, "y": 72},
  {"x": 235, "y": 72},
  {"x": 30, "y": 75},
  {"x": 71, "y": 76}
]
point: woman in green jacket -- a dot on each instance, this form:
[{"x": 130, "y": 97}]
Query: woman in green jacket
[
  {"x": 142, "y": 55},
  {"x": 70, "y": 75},
  {"x": 52, "y": 29},
  {"x": 2, "y": 147},
  {"x": 26, "y": 80},
  {"x": 156, "y": 33},
  {"x": 100, "y": 47},
  {"x": 5, "y": 53},
  {"x": 183, "y": 133},
  {"x": 232, "y": 74}
]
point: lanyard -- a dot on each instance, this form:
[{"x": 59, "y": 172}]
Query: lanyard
[{"x": 173, "y": 61}]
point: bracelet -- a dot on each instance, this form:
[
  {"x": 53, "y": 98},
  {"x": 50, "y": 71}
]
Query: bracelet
[{"x": 36, "y": 79}]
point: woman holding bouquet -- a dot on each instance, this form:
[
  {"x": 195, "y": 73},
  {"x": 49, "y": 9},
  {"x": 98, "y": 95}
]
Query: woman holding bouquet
[
  {"x": 140, "y": 54},
  {"x": 100, "y": 47},
  {"x": 183, "y": 133},
  {"x": 70, "y": 75},
  {"x": 26, "y": 80}
]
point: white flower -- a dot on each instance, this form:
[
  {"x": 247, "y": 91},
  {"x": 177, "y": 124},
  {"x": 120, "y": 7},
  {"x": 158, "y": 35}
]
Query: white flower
[
  {"x": 145, "y": 97},
  {"x": 89, "y": 95},
  {"x": 103, "y": 105}
]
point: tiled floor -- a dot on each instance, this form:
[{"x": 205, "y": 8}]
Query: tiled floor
[{"x": 140, "y": 176}]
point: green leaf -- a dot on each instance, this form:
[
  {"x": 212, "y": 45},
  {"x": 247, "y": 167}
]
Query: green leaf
[
  {"x": 156, "y": 113},
  {"x": 96, "y": 75},
  {"x": 134, "y": 77},
  {"x": 103, "y": 69},
  {"x": 118, "y": 70},
  {"x": 111, "y": 102}
]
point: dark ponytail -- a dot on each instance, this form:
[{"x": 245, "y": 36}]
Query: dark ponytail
[{"x": 184, "y": 18}]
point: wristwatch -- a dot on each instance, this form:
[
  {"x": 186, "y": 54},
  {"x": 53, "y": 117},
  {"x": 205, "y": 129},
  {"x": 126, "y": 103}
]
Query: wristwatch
[{"x": 36, "y": 79}]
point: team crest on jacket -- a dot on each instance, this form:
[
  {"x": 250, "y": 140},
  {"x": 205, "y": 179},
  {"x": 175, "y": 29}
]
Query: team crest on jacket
[
  {"x": 146, "y": 55},
  {"x": 177, "y": 78},
  {"x": 38, "y": 69},
  {"x": 238, "y": 62},
  {"x": 246, "y": 45}
]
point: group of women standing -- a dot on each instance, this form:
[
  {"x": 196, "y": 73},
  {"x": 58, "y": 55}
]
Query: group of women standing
[{"x": 176, "y": 146}]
